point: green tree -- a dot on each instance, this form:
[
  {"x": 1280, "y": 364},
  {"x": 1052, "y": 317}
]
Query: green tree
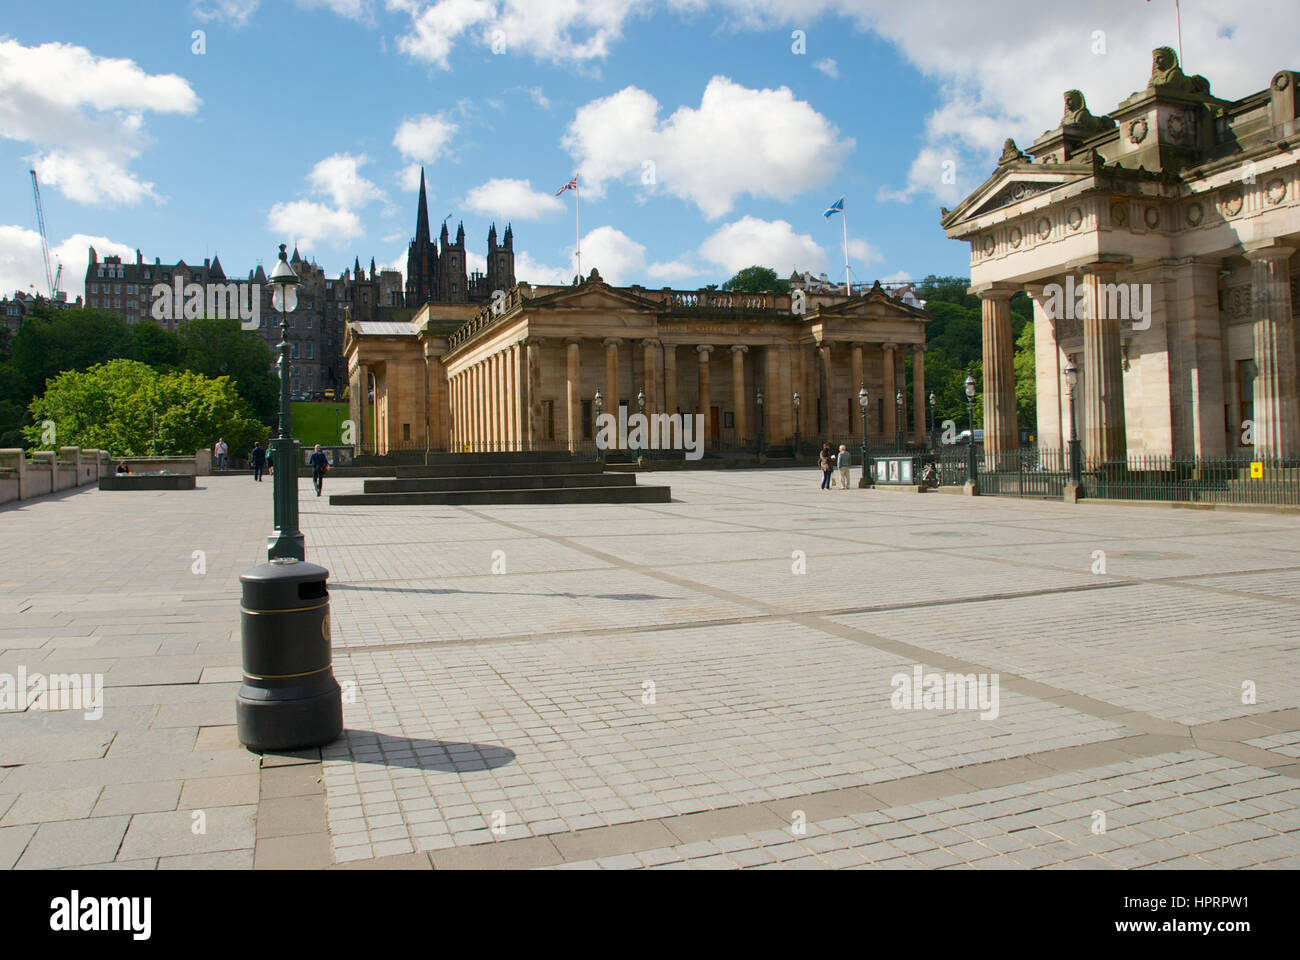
[
  {"x": 220, "y": 348},
  {"x": 112, "y": 406},
  {"x": 1026, "y": 386},
  {"x": 155, "y": 346},
  {"x": 52, "y": 340},
  {"x": 756, "y": 280}
]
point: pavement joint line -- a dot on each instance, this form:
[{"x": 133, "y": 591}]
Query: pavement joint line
[{"x": 842, "y": 801}]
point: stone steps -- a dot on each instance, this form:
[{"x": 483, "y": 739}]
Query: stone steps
[
  {"x": 547, "y": 495},
  {"x": 505, "y": 468},
  {"x": 534, "y": 482}
]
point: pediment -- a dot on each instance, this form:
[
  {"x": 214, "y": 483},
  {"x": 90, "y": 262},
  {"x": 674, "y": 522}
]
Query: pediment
[
  {"x": 596, "y": 295},
  {"x": 1013, "y": 185},
  {"x": 875, "y": 305}
]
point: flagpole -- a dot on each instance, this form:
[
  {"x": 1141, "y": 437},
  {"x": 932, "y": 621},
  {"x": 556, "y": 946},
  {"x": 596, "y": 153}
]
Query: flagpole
[
  {"x": 848, "y": 286},
  {"x": 1178, "y": 12},
  {"x": 577, "y": 195}
]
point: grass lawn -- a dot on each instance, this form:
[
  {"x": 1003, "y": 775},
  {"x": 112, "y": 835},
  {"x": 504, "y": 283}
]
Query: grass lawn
[{"x": 319, "y": 423}]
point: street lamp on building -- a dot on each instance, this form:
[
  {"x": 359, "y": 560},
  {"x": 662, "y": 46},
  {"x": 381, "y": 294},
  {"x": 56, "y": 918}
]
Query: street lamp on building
[
  {"x": 759, "y": 400},
  {"x": 796, "y": 423},
  {"x": 599, "y": 403},
  {"x": 970, "y": 414},
  {"x": 287, "y": 541},
  {"x": 1071, "y": 381},
  {"x": 864, "y": 401}
]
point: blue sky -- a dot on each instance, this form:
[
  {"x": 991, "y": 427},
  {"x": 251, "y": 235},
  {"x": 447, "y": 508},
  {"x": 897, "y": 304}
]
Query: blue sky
[{"x": 706, "y": 141}]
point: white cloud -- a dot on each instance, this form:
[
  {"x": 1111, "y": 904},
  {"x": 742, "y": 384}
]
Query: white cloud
[
  {"x": 767, "y": 243},
  {"x": 672, "y": 271},
  {"x": 512, "y": 200},
  {"x": 789, "y": 147},
  {"x": 828, "y": 67},
  {"x": 424, "y": 138},
  {"x": 617, "y": 256},
  {"x": 530, "y": 270},
  {"x": 409, "y": 178},
  {"x": 85, "y": 116},
  {"x": 339, "y": 176},
  {"x": 304, "y": 223},
  {"x": 557, "y": 31},
  {"x": 358, "y": 10},
  {"x": 234, "y": 12},
  {"x": 23, "y": 268}
]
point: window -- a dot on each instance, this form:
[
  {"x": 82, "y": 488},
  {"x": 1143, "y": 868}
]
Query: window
[
  {"x": 94, "y": 288},
  {"x": 146, "y": 274},
  {"x": 101, "y": 271},
  {"x": 309, "y": 323},
  {"x": 548, "y": 419},
  {"x": 130, "y": 288},
  {"x": 311, "y": 349},
  {"x": 295, "y": 351}
]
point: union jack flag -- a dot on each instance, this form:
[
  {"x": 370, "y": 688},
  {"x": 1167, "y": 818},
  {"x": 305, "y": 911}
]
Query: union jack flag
[{"x": 571, "y": 185}]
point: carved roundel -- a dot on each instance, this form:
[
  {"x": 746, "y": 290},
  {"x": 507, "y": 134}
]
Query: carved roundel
[
  {"x": 1281, "y": 80},
  {"x": 988, "y": 246},
  {"x": 1195, "y": 214},
  {"x": 1275, "y": 191},
  {"x": 1044, "y": 228},
  {"x": 1137, "y": 130},
  {"x": 1016, "y": 236},
  {"x": 1152, "y": 217},
  {"x": 1230, "y": 202},
  {"x": 1119, "y": 214},
  {"x": 1074, "y": 218},
  {"x": 1177, "y": 127}
]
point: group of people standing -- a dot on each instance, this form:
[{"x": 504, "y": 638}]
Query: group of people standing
[
  {"x": 830, "y": 460},
  {"x": 262, "y": 460}
]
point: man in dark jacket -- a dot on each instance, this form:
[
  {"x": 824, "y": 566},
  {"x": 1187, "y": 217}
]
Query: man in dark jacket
[
  {"x": 258, "y": 456},
  {"x": 319, "y": 467}
]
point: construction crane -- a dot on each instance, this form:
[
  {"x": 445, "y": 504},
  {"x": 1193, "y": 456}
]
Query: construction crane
[{"x": 51, "y": 277}]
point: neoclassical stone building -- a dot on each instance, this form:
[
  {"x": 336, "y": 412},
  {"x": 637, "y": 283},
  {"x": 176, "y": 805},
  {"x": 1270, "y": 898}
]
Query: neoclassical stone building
[
  {"x": 522, "y": 373},
  {"x": 1194, "y": 199}
]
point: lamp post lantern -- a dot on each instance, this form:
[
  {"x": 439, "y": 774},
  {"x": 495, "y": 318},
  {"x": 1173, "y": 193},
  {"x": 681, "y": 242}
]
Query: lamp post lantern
[
  {"x": 287, "y": 541},
  {"x": 759, "y": 400},
  {"x": 796, "y": 423},
  {"x": 1076, "y": 471},
  {"x": 931, "y": 431},
  {"x": 970, "y": 454},
  {"x": 599, "y": 403},
  {"x": 864, "y": 402},
  {"x": 902, "y": 427}
]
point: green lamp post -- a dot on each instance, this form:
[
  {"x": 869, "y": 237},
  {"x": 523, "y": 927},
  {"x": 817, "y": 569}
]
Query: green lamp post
[
  {"x": 287, "y": 540},
  {"x": 864, "y": 401}
]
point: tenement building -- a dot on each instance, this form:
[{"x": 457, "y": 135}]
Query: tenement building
[
  {"x": 1156, "y": 244},
  {"x": 523, "y": 371}
]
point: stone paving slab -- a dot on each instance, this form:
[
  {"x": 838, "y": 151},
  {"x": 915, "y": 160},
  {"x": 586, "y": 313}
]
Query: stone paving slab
[{"x": 521, "y": 700}]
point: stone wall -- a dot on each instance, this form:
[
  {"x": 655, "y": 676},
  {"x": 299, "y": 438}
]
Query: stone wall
[{"x": 27, "y": 475}]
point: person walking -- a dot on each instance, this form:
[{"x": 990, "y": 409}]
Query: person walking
[
  {"x": 220, "y": 450},
  {"x": 319, "y": 467},
  {"x": 258, "y": 457},
  {"x": 845, "y": 461},
  {"x": 824, "y": 461}
]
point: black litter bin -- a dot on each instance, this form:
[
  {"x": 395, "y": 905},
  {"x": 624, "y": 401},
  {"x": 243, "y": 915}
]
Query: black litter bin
[{"x": 289, "y": 699}]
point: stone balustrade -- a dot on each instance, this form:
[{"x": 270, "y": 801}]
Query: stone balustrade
[{"x": 36, "y": 473}]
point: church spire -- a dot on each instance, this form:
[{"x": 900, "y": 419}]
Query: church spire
[{"x": 422, "y": 214}]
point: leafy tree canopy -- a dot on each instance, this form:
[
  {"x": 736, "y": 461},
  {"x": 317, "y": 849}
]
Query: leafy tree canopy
[
  {"x": 221, "y": 348},
  {"x": 111, "y": 407},
  {"x": 756, "y": 280}
]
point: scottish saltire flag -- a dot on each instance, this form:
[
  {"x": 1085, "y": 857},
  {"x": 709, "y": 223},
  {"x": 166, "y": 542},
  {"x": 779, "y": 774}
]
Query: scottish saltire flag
[
  {"x": 571, "y": 185},
  {"x": 834, "y": 208}
]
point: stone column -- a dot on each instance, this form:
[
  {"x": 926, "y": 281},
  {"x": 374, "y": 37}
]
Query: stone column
[
  {"x": 825, "y": 369},
  {"x": 361, "y": 405},
  {"x": 649, "y": 353},
  {"x": 671, "y": 401},
  {"x": 1104, "y": 436},
  {"x": 533, "y": 379},
  {"x": 918, "y": 393},
  {"x": 611, "y": 376},
  {"x": 811, "y": 394},
  {"x": 889, "y": 399},
  {"x": 855, "y": 378},
  {"x": 573, "y": 391},
  {"x": 705, "y": 399},
  {"x": 1053, "y": 427},
  {"x": 1277, "y": 419},
  {"x": 1001, "y": 427},
  {"x": 738, "y": 396}
]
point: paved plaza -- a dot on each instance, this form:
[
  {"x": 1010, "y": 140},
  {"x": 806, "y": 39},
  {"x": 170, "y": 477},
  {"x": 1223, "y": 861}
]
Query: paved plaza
[{"x": 709, "y": 683}]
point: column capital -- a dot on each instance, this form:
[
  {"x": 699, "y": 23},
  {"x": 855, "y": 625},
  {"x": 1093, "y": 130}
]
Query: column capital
[
  {"x": 1273, "y": 249},
  {"x": 739, "y": 348},
  {"x": 650, "y": 342},
  {"x": 703, "y": 350},
  {"x": 533, "y": 341},
  {"x": 889, "y": 347},
  {"x": 995, "y": 291},
  {"x": 613, "y": 342},
  {"x": 1099, "y": 263},
  {"x": 573, "y": 341},
  {"x": 919, "y": 348}
]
